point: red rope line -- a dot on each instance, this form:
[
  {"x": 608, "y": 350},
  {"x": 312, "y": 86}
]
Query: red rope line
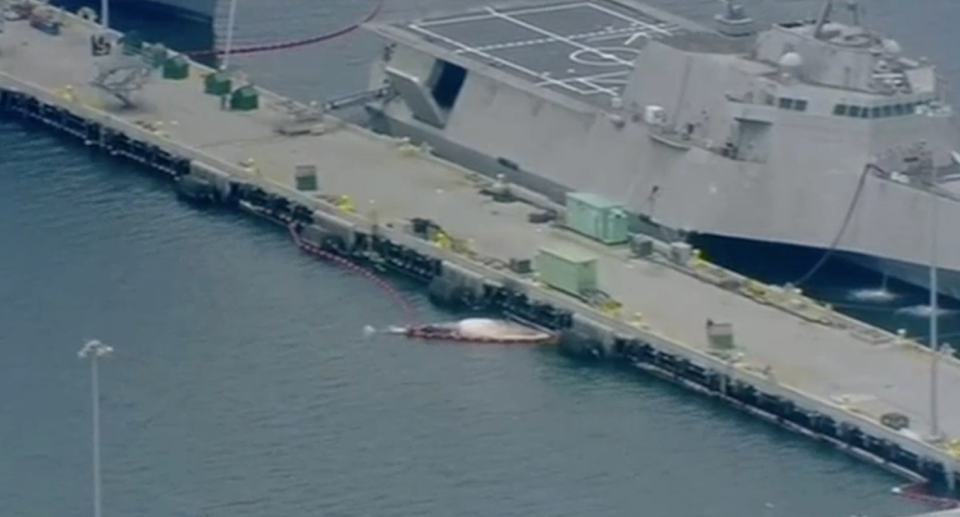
[
  {"x": 918, "y": 492},
  {"x": 286, "y": 45},
  {"x": 396, "y": 296}
]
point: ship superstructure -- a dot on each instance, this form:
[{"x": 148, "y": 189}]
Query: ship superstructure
[{"x": 817, "y": 133}]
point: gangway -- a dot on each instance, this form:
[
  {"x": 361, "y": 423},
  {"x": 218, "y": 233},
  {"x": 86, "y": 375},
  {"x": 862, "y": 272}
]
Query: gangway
[
  {"x": 356, "y": 99},
  {"x": 121, "y": 76},
  {"x": 306, "y": 119}
]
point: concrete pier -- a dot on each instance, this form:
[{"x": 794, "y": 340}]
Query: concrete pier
[
  {"x": 945, "y": 513},
  {"x": 792, "y": 361}
]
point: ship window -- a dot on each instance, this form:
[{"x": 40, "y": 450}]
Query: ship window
[
  {"x": 840, "y": 109},
  {"x": 786, "y": 103},
  {"x": 876, "y": 112},
  {"x": 800, "y": 105},
  {"x": 854, "y": 111},
  {"x": 888, "y": 111},
  {"x": 864, "y": 112},
  {"x": 899, "y": 110}
]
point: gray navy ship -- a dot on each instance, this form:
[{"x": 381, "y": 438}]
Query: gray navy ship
[{"x": 818, "y": 134}]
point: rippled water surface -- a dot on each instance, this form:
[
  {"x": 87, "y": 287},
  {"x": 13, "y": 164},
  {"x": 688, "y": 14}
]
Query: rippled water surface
[{"x": 241, "y": 385}]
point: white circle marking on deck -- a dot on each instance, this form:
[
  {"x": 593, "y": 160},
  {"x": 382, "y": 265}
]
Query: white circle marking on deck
[{"x": 598, "y": 56}]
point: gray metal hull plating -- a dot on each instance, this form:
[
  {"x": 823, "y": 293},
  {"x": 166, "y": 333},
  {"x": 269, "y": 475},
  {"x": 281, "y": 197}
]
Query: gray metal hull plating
[
  {"x": 795, "y": 177},
  {"x": 913, "y": 273}
]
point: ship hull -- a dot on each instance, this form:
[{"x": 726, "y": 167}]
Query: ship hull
[
  {"x": 948, "y": 281},
  {"x": 789, "y": 262},
  {"x": 202, "y": 11},
  {"x": 196, "y": 10},
  {"x": 657, "y": 130}
]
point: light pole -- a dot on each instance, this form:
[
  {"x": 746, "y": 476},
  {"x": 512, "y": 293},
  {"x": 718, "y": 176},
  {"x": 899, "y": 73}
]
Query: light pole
[
  {"x": 94, "y": 350},
  {"x": 228, "y": 46},
  {"x": 105, "y": 14}
]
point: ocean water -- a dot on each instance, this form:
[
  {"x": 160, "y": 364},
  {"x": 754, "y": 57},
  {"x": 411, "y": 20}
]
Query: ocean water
[{"x": 241, "y": 384}]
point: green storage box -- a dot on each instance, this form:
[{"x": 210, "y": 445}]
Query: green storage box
[
  {"x": 305, "y": 178},
  {"x": 131, "y": 43},
  {"x": 217, "y": 83},
  {"x": 720, "y": 336},
  {"x": 155, "y": 56},
  {"x": 176, "y": 68},
  {"x": 245, "y": 98},
  {"x": 597, "y": 217},
  {"x": 567, "y": 269}
]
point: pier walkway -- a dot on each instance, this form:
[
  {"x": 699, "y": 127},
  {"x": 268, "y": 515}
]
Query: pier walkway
[
  {"x": 824, "y": 368},
  {"x": 945, "y": 513}
]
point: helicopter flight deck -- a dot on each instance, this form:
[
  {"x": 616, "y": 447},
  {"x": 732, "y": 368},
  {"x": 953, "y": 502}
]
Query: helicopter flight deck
[{"x": 583, "y": 49}]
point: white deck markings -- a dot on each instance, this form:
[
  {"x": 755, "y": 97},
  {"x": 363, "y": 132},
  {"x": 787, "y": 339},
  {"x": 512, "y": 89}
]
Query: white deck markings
[
  {"x": 597, "y": 88},
  {"x": 633, "y": 21},
  {"x": 637, "y": 35},
  {"x": 582, "y": 57},
  {"x": 610, "y": 83},
  {"x": 586, "y": 36},
  {"x": 487, "y": 16},
  {"x": 495, "y": 59},
  {"x": 619, "y": 81},
  {"x": 633, "y": 34},
  {"x": 618, "y": 78},
  {"x": 557, "y": 37}
]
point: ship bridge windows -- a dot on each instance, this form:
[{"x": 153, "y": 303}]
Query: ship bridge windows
[
  {"x": 890, "y": 110},
  {"x": 787, "y": 103}
]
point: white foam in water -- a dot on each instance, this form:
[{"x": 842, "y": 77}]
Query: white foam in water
[
  {"x": 872, "y": 295},
  {"x": 921, "y": 311}
]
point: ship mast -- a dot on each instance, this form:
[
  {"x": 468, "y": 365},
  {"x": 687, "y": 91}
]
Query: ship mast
[
  {"x": 852, "y": 5},
  {"x": 934, "y": 338},
  {"x": 823, "y": 18}
]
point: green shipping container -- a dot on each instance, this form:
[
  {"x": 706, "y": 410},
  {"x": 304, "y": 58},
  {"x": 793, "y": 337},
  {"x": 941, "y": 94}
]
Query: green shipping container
[
  {"x": 597, "y": 217},
  {"x": 217, "y": 84},
  {"x": 245, "y": 98},
  {"x": 131, "y": 43},
  {"x": 176, "y": 68},
  {"x": 155, "y": 56},
  {"x": 305, "y": 178},
  {"x": 567, "y": 269}
]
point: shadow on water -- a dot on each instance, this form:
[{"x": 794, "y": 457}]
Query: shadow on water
[{"x": 853, "y": 290}]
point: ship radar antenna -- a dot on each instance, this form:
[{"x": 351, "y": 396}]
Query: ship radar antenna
[
  {"x": 734, "y": 10},
  {"x": 734, "y": 20}
]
